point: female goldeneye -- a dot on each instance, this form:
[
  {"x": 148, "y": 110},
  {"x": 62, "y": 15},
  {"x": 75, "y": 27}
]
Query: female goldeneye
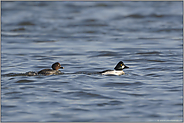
[
  {"x": 55, "y": 70},
  {"x": 118, "y": 70}
]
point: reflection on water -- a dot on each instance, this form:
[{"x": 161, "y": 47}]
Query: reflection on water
[{"x": 86, "y": 38}]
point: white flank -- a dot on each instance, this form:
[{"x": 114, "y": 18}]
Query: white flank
[{"x": 113, "y": 73}]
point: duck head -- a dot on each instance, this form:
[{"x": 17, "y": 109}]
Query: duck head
[
  {"x": 57, "y": 66},
  {"x": 120, "y": 66}
]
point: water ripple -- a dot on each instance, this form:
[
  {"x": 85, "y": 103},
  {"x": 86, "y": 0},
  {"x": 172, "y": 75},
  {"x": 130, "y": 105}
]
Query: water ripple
[
  {"x": 24, "y": 81},
  {"x": 84, "y": 94},
  {"x": 114, "y": 84}
]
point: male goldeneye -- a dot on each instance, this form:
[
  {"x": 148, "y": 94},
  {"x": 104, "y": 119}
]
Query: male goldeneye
[
  {"x": 118, "y": 70},
  {"x": 55, "y": 70}
]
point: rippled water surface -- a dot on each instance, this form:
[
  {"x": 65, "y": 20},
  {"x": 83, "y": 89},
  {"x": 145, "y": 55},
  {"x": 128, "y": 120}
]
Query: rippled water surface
[{"x": 89, "y": 37}]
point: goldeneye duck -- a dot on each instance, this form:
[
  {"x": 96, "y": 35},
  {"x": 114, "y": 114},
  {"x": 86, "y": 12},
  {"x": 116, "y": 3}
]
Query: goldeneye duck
[
  {"x": 54, "y": 69},
  {"x": 118, "y": 70}
]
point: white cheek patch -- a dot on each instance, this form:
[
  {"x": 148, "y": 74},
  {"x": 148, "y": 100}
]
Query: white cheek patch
[{"x": 123, "y": 66}]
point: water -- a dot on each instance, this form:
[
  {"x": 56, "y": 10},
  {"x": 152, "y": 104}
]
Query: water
[{"x": 89, "y": 37}]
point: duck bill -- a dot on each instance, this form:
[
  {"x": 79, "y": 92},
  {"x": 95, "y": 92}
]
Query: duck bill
[
  {"x": 61, "y": 67},
  {"x": 126, "y": 67}
]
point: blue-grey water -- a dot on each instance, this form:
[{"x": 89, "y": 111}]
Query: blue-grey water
[{"x": 88, "y": 37}]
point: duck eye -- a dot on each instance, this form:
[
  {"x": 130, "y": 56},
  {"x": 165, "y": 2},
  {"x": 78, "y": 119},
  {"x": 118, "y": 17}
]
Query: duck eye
[{"x": 121, "y": 65}]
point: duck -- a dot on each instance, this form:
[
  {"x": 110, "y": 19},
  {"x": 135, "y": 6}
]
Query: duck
[
  {"x": 118, "y": 70},
  {"x": 55, "y": 69}
]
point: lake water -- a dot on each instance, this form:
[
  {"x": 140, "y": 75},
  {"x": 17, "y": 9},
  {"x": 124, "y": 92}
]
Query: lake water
[{"x": 88, "y": 37}]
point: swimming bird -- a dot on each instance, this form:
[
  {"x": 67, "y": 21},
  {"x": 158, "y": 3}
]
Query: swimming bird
[
  {"x": 118, "y": 70},
  {"x": 54, "y": 69}
]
